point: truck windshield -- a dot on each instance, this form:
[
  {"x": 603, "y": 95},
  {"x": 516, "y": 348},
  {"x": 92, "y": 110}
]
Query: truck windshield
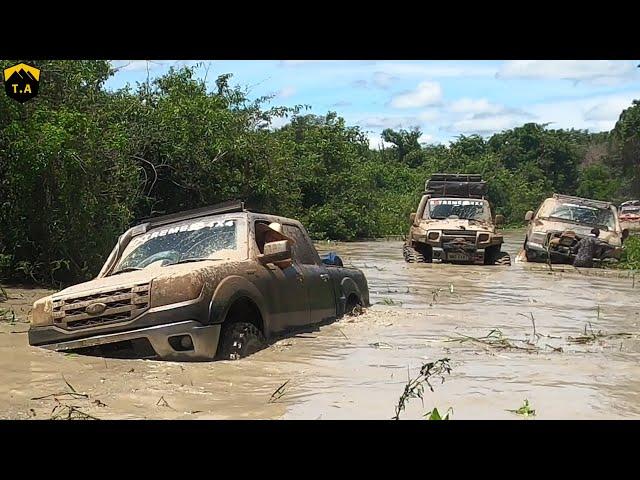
[
  {"x": 462, "y": 208},
  {"x": 207, "y": 238},
  {"x": 580, "y": 214}
]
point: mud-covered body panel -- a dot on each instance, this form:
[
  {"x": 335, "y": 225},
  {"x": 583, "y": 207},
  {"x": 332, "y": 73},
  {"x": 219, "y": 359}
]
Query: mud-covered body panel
[
  {"x": 553, "y": 238},
  {"x": 203, "y": 292},
  {"x": 454, "y": 240}
]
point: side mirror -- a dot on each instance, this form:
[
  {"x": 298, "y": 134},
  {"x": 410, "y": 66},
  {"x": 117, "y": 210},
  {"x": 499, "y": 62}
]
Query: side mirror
[
  {"x": 276, "y": 252},
  {"x": 499, "y": 221},
  {"x": 412, "y": 217},
  {"x": 625, "y": 234},
  {"x": 528, "y": 216}
]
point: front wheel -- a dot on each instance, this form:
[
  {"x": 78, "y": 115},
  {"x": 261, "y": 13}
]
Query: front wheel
[
  {"x": 413, "y": 255},
  {"x": 239, "y": 340},
  {"x": 503, "y": 258}
]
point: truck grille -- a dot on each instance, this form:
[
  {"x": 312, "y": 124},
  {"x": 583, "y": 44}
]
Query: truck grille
[
  {"x": 466, "y": 234},
  {"x": 117, "y": 305}
]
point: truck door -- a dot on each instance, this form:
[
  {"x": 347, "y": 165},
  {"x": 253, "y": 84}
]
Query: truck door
[
  {"x": 285, "y": 292},
  {"x": 318, "y": 283}
]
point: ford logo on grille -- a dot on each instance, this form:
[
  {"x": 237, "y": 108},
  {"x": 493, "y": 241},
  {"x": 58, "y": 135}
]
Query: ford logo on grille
[{"x": 96, "y": 308}]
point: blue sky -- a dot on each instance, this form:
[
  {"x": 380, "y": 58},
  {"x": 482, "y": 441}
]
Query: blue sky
[{"x": 443, "y": 98}]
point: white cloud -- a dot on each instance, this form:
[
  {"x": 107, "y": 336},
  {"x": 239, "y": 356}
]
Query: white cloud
[
  {"x": 295, "y": 63},
  {"x": 487, "y": 124},
  {"x": 136, "y": 65},
  {"x": 608, "y": 110},
  {"x": 395, "y": 122},
  {"x": 426, "y": 93},
  {"x": 597, "y": 113},
  {"x": 470, "y": 105},
  {"x": 278, "y": 122},
  {"x": 444, "y": 69},
  {"x": 286, "y": 92},
  {"x": 383, "y": 79},
  {"x": 425, "y": 138},
  {"x": 593, "y": 71},
  {"x": 429, "y": 115},
  {"x": 376, "y": 142}
]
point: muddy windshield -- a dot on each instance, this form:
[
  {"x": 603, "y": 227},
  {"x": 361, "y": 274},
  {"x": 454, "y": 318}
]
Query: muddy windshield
[
  {"x": 208, "y": 238},
  {"x": 454, "y": 208},
  {"x": 580, "y": 214}
]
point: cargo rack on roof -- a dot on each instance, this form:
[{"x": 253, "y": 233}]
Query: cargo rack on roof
[
  {"x": 217, "y": 209},
  {"x": 582, "y": 201},
  {"x": 464, "y": 185}
]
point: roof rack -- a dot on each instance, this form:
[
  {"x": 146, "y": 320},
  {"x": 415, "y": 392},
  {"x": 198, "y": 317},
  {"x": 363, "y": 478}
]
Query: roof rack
[
  {"x": 456, "y": 177},
  {"x": 217, "y": 209},
  {"x": 461, "y": 185},
  {"x": 584, "y": 201}
]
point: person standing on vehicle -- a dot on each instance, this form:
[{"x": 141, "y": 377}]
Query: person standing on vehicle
[{"x": 586, "y": 249}]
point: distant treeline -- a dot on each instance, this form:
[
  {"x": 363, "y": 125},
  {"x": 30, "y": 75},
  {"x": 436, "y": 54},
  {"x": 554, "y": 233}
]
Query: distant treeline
[{"x": 79, "y": 164}]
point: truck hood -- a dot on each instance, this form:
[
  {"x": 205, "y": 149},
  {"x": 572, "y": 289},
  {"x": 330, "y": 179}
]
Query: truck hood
[
  {"x": 198, "y": 270},
  {"x": 542, "y": 225},
  {"x": 456, "y": 224}
]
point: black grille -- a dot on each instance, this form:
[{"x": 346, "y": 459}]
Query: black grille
[{"x": 118, "y": 305}]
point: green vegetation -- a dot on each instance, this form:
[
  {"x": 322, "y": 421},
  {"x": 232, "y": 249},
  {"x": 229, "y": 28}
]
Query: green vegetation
[
  {"x": 525, "y": 410},
  {"x": 414, "y": 387},
  {"x": 79, "y": 164},
  {"x": 435, "y": 414},
  {"x": 630, "y": 258}
]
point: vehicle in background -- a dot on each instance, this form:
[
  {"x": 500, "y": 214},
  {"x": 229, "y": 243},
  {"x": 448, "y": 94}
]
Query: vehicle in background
[
  {"x": 454, "y": 224},
  {"x": 562, "y": 220},
  {"x": 629, "y": 213}
]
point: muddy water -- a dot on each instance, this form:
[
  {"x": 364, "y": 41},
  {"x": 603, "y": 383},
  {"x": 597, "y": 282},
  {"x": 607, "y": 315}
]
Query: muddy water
[{"x": 357, "y": 368}]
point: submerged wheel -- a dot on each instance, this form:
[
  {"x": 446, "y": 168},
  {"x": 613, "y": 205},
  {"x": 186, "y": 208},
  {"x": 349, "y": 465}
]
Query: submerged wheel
[
  {"x": 240, "y": 339},
  {"x": 529, "y": 255},
  {"x": 503, "y": 258},
  {"x": 411, "y": 255},
  {"x": 353, "y": 307}
]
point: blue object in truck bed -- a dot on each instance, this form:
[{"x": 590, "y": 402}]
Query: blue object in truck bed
[{"x": 331, "y": 258}]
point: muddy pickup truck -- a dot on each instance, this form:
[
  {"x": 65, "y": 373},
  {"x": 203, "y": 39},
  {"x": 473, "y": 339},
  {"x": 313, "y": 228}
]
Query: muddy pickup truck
[
  {"x": 630, "y": 216},
  {"x": 454, "y": 224},
  {"x": 208, "y": 283},
  {"x": 562, "y": 220}
]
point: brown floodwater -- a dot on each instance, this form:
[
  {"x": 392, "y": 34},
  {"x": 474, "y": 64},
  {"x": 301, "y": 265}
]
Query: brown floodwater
[{"x": 356, "y": 368}]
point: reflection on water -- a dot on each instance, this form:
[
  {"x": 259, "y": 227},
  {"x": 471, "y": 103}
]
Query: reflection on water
[{"x": 357, "y": 367}]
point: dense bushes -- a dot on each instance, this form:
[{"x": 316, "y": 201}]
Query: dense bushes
[{"x": 78, "y": 164}]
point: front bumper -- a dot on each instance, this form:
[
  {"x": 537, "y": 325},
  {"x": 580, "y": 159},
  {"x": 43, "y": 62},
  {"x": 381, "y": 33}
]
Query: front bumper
[
  {"x": 450, "y": 255},
  {"x": 204, "y": 340},
  {"x": 157, "y": 325}
]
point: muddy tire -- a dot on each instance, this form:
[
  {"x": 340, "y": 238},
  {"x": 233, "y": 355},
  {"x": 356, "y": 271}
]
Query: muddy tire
[
  {"x": 353, "y": 307},
  {"x": 502, "y": 258},
  {"x": 529, "y": 255},
  {"x": 411, "y": 255},
  {"x": 239, "y": 340}
]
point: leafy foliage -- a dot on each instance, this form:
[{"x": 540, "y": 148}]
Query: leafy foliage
[
  {"x": 79, "y": 163},
  {"x": 630, "y": 258}
]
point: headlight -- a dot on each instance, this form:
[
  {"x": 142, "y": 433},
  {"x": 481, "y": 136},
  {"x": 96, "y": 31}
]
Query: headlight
[
  {"x": 41, "y": 314},
  {"x": 483, "y": 237},
  {"x": 433, "y": 235},
  {"x": 165, "y": 291},
  {"x": 538, "y": 237}
]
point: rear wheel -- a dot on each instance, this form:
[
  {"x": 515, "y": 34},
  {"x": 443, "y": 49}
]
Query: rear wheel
[
  {"x": 239, "y": 340},
  {"x": 354, "y": 307}
]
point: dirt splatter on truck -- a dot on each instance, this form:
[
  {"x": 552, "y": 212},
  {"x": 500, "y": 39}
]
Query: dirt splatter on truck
[{"x": 454, "y": 224}]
